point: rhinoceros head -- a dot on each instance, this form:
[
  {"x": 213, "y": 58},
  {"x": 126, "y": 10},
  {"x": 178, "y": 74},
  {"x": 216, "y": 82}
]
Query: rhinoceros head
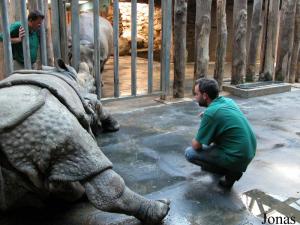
[{"x": 87, "y": 50}]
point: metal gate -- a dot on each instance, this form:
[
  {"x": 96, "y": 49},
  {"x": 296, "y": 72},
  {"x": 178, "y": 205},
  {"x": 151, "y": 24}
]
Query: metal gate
[{"x": 59, "y": 41}]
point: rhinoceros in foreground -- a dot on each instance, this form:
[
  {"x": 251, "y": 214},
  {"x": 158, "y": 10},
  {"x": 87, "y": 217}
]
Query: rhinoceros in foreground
[{"x": 47, "y": 148}]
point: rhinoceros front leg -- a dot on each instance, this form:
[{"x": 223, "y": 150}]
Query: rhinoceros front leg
[
  {"x": 108, "y": 192},
  {"x": 102, "y": 118}
]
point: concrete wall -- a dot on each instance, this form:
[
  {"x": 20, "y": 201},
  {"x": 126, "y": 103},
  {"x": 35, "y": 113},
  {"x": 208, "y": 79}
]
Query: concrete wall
[{"x": 142, "y": 24}]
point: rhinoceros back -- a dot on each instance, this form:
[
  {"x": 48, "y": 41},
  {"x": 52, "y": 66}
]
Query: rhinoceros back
[
  {"x": 61, "y": 87},
  {"x": 19, "y": 106}
]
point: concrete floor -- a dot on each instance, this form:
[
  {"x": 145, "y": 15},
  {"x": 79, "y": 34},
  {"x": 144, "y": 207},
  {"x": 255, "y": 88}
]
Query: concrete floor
[{"x": 148, "y": 152}]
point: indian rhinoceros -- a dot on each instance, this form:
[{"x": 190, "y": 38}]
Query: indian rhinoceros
[
  {"x": 48, "y": 150},
  {"x": 86, "y": 37}
]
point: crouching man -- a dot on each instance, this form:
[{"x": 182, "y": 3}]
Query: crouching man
[{"x": 225, "y": 143}]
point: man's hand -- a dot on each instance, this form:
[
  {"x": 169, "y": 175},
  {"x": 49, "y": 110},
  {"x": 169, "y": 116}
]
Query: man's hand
[
  {"x": 200, "y": 114},
  {"x": 21, "y": 33},
  {"x": 196, "y": 145}
]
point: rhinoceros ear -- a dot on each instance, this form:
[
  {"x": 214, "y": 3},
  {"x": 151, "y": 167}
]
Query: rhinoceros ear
[
  {"x": 61, "y": 64},
  {"x": 66, "y": 69}
]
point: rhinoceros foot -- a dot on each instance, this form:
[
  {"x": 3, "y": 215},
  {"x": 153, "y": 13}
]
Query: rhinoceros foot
[
  {"x": 154, "y": 212},
  {"x": 110, "y": 124}
]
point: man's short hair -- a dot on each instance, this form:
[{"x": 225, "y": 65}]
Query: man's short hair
[
  {"x": 35, "y": 14},
  {"x": 208, "y": 86}
]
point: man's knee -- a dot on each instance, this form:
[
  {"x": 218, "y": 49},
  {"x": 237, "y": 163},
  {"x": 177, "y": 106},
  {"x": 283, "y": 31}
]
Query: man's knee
[{"x": 189, "y": 154}]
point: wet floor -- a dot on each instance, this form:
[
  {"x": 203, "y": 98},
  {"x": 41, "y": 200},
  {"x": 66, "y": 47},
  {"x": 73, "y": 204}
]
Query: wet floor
[{"x": 148, "y": 152}]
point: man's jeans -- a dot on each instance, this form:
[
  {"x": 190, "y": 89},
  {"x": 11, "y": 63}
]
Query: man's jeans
[{"x": 208, "y": 158}]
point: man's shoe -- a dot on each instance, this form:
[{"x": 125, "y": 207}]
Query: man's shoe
[{"x": 225, "y": 183}]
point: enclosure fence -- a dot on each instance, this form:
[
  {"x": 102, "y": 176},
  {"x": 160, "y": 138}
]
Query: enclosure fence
[{"x": 60, "y": 42}]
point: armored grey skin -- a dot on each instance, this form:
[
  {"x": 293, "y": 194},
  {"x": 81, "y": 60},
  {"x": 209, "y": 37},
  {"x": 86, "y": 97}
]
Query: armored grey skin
[
  {"x": 47, "y": 149},
  {"x": 86, "y": 36},
  {"x": 85, "y": 79}
]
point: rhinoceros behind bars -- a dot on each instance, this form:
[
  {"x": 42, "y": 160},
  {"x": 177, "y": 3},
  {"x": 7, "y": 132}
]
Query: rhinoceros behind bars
[
  {"x": 47, "y": 148},
  {"x": 86, "y": 36}
]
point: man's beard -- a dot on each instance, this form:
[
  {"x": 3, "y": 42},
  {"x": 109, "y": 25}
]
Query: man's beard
[{"x": 202, "y": 103}]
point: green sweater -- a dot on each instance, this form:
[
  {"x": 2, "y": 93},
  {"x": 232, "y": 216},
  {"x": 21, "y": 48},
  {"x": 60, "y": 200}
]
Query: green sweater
[
  {"x": 225, "y": 125},
  {"x": 17, "y": 49}
]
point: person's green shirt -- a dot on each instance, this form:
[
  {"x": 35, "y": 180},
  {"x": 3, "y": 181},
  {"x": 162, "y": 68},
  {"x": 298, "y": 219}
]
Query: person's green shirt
[
  {"x": 17, "y": 48},
  {"x": 225, "y": 125}
]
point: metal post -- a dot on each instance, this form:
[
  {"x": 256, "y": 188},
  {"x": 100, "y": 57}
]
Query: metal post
[
  {"x": 63, "y": 30},
  {"x": 116, "y": 49},
  {"x": 150, "y": 46},
  {"x": 133, "y": 46},
  {"x": 161, "y": 46},
  {"x": 75, "y": 30},
  {"x": 55, "y": 29},
  {"x": 97, "y": 49},
  {"x": 25, "y": 41},
  {"x": 43, "y": 45},
  {"x": 166, "y": 44},
  {"x": 8, "y": 59}
]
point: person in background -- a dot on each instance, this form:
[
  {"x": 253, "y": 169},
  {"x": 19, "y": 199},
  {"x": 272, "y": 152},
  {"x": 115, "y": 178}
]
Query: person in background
[
  {"x": 225, "y": 143},
  {"x": 17, "y": 32}
]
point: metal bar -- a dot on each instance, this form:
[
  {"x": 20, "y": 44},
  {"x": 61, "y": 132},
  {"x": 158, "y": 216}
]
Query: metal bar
[
  {"x": 63, "y": 30},
  {"x": 8, "y": 59},
  {"x": 133, "y": 46},
  {"x": 154, "y": 94},
  {"x": 97, "y": 49},
  {"x": 25, "y": 41},
  {"x": 75, "y": 30},
  {"x": 166, "y": 44},
  {"x": 43, "y": 45},
  {"x": 150, "y": 46},
  {"x": 161, "y": 46},
  {"x": 55, "y": 29},
  {"x": 116, "y": 49}
]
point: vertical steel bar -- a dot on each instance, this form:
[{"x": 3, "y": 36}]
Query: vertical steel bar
[
  {"x": 116, "y": 49},
  {"x": 43, "y": 46},
  {"x": 8, "y": 59},
  {"x": 63, "y": 30},
  {"x": 150, "y": 46},
  {"x": 161, "y": 47},
  {"x": 55, "y": 29},
  {"x": 97, "y": 49},
  {"x": 25, "y": 41},
  {"x": 133, "y": 46},
  {"x": 75, "y": 30},
  {"x": 166, "y": 44}
]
